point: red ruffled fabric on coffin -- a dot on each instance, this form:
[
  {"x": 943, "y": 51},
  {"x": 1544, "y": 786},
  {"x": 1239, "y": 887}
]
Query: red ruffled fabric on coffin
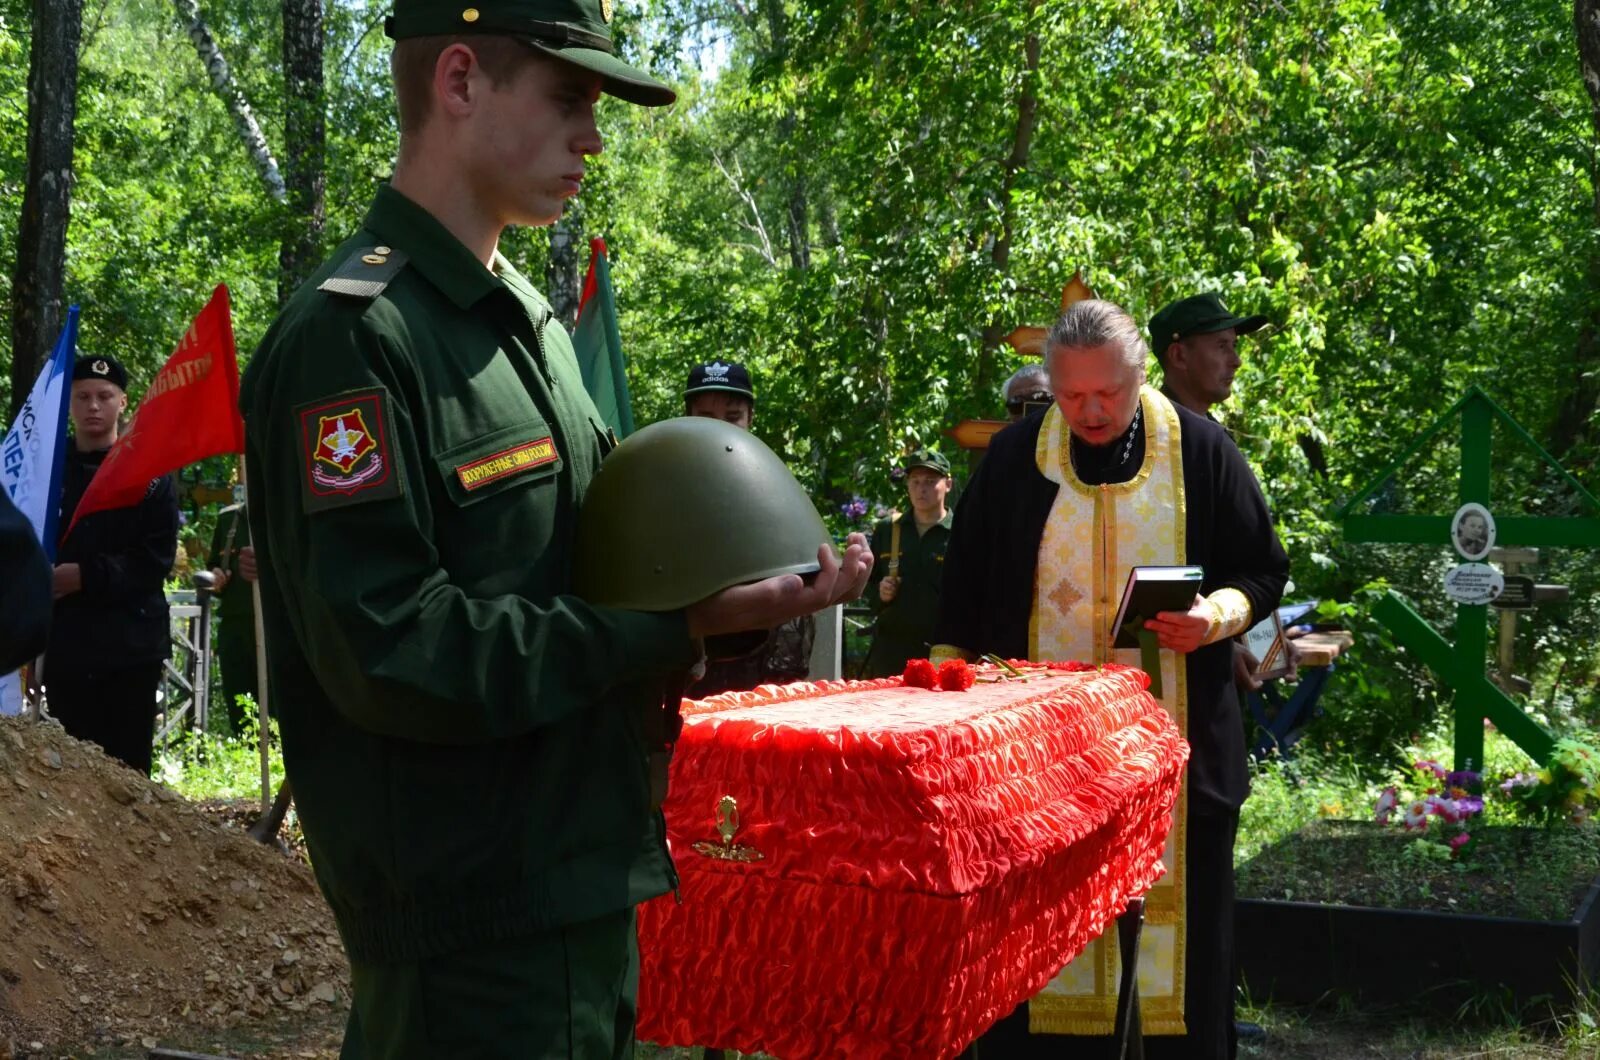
[{"x": 928, "y": 858}]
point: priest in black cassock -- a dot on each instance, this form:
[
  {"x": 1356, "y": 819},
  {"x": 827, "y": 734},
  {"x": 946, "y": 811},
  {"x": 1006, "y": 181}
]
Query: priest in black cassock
[{"x": 1113, "y": 475}]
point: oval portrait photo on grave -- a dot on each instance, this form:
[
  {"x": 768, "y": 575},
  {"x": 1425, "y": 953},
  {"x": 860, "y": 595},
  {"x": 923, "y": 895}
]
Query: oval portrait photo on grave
[{"x": 1472, "y": 531}]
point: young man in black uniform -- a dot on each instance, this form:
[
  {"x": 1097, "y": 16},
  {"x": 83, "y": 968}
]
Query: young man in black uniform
[{"x": 111, "y": 633}]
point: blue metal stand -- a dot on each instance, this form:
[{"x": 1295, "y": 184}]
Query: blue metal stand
[{"x": 1282, "y": 722}]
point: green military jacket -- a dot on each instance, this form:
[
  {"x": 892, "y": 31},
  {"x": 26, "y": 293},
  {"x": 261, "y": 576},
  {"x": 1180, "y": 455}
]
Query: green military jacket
[
  {"x": 234, "y": 606},
  {"x": 903, "y": 628},
  {"x": 467, "y": 741}
]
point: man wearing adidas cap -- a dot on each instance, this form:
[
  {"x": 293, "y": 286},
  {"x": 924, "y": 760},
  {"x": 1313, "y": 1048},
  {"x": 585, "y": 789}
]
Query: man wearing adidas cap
[
  {"x": 468, "y": 741},
  {"x": 722, "y": 391}
]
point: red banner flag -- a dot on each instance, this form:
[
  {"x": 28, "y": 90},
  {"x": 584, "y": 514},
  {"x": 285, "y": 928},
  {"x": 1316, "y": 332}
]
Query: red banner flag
[{"x": 190, "y": 412}]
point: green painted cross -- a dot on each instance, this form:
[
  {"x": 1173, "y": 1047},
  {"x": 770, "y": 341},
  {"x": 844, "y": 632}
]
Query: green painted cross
[{"x": 1464, "y": 667}]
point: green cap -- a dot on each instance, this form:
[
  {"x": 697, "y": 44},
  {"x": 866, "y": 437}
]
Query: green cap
[
  {"x": 928, "y": 458},
  {"x": 1201, "y": 314},
  {"x": 575, "y": 31}
]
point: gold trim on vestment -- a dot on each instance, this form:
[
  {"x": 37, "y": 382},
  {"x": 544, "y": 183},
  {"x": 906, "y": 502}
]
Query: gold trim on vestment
[
  {"x": 1234, "y": 614},
  {"x": 1141, "y": 522}
]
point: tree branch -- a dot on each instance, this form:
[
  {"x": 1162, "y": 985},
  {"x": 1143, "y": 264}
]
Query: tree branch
[{"x": 244, "y": 119}]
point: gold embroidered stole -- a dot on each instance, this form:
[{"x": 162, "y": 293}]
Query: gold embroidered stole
[{"x": 1094, "y": 534}]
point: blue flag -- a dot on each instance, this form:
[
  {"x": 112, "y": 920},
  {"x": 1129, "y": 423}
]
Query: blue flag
[{"x": 32, "y": 456}]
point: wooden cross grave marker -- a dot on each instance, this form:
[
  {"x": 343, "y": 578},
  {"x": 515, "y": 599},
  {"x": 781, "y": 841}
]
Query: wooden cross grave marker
[{"x": 1464, "y": 666}]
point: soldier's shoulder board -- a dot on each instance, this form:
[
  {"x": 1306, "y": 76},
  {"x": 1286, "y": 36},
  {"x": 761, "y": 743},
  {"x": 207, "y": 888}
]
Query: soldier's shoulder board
[{"x": 365, "y": 273}]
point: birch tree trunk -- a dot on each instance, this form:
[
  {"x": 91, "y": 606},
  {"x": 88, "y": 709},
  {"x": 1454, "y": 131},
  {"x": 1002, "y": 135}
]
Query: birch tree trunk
[
  {"x": 40, "y": 272},
  {"x": 244, "y": 119},
  {"x": 305, "y": 141}
]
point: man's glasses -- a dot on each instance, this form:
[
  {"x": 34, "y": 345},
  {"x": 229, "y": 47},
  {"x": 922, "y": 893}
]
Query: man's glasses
[{"x": 1027, "y": 404}]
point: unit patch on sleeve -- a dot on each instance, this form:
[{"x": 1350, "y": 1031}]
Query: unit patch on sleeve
[
  {"x": 347, "y": 449},
  {"x": 476, "y": 474}
]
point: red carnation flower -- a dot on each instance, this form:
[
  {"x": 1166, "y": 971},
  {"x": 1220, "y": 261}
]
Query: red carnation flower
[
  {"x": 955, "y": 675},
  {"x": 920, "y": 674}
]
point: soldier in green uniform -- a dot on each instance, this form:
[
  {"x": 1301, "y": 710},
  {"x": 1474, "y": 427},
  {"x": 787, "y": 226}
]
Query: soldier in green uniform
[
  {"x": 231, "y": 561},
  {"x": 904, "y": 591},
  {"x": 466, "y": 738}
]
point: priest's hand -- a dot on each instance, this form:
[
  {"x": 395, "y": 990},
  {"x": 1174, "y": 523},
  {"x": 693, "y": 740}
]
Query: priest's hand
[
  {"x": 247, "y": 563},
  {"x": 888, "y": 589},
  {"x": 1183, "y": 631}
]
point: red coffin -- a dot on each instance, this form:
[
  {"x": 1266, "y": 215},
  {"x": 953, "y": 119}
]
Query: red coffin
[{"x": 899, "y": 867}]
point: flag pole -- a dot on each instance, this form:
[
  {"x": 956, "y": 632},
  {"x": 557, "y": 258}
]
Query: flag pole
[{"x": 261, "y": 667}]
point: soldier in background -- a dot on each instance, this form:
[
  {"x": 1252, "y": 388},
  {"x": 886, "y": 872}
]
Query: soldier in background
[
  {"x": 722, "y": 390},
  {"x": 232, "y": 562},
  {"x": 904, "y": 591}
]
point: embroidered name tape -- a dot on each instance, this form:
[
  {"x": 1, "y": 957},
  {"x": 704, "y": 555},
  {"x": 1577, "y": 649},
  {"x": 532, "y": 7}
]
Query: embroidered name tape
[
  {"x": 476, "y": 474},
  {"x": 346, "y": 449}
]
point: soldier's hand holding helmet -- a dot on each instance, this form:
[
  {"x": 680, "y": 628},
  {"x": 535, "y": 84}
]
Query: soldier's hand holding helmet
[
  {"x": 696, "y": 514},
  {"x": 774, "y": 601}
]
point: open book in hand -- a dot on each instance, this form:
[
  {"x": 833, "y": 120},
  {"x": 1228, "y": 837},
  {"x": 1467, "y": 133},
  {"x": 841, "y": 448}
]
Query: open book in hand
[{"x": 1151, "y": 590}]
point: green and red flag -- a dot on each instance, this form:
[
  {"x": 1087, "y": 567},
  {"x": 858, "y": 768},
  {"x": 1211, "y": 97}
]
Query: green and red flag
[{"x": 598, "y": 342}]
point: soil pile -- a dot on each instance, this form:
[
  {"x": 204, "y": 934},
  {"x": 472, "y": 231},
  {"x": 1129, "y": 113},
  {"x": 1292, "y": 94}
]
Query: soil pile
[{"x": 126, "y": 912}]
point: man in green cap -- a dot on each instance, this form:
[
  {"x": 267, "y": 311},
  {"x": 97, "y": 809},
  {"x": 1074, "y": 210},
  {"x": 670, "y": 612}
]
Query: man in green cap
[
  {"x": 465, "y": 737},
  {"x": 1196, "y": 339},
  {"x": 904, "y": 591}
]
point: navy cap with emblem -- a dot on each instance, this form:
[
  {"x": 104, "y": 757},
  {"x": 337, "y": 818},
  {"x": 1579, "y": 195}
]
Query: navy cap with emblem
[
  {"x": 101, "y": 367},
  {"x": 728, "y": 377},
  {"x": 1201, "y": 314},
  {"x": 574, "y": 31}
]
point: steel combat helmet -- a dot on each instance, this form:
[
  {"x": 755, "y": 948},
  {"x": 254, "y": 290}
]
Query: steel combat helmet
[{"x": 686, "y": 508}]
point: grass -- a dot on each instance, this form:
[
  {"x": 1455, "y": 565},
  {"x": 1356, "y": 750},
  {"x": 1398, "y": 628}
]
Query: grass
[
  {"x": 1517, "y": 871},
  {"x": 216, "y": 765},
  {"x": 1306, "y": 834}
]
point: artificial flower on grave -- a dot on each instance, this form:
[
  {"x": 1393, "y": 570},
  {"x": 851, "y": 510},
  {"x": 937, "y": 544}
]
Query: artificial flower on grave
[
  {"x": 1387, "y": 804},
  {"x": 1451, "y": 797},
  {"x": 1566, "y": 789}
]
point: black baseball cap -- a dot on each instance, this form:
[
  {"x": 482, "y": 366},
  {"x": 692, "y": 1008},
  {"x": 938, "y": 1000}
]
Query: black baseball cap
[
  {"x": 101, "y": 367},
  {"x": 728, "y": 377}
]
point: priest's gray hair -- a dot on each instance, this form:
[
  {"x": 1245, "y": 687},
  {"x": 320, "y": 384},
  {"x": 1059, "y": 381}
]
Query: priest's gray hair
[{"x": 1092, "y": 323}]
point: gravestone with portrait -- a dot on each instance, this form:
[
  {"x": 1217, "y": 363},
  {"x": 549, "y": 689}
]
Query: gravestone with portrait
[{"x": 1475, "y": 533}]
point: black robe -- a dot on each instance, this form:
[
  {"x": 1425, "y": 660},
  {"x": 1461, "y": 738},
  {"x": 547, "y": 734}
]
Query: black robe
[{"x": 989, "y": 572}]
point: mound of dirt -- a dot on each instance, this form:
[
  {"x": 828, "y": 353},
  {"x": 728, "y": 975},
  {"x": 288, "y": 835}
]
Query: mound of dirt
[{"x": 127, "y": 913}]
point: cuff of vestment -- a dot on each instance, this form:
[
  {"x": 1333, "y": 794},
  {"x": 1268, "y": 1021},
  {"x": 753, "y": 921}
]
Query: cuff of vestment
[{"x": 1231, "y": 614}]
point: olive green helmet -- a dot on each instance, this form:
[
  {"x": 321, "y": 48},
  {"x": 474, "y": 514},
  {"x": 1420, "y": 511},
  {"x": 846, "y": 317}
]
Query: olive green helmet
[{"x": 686, "y": 508}]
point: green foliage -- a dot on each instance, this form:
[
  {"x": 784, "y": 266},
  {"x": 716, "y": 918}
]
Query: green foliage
[
  {"x": 1405, "y": 189},
  {"x": 1566, "y": 789},
  {"x": 215, "y": 765}
]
